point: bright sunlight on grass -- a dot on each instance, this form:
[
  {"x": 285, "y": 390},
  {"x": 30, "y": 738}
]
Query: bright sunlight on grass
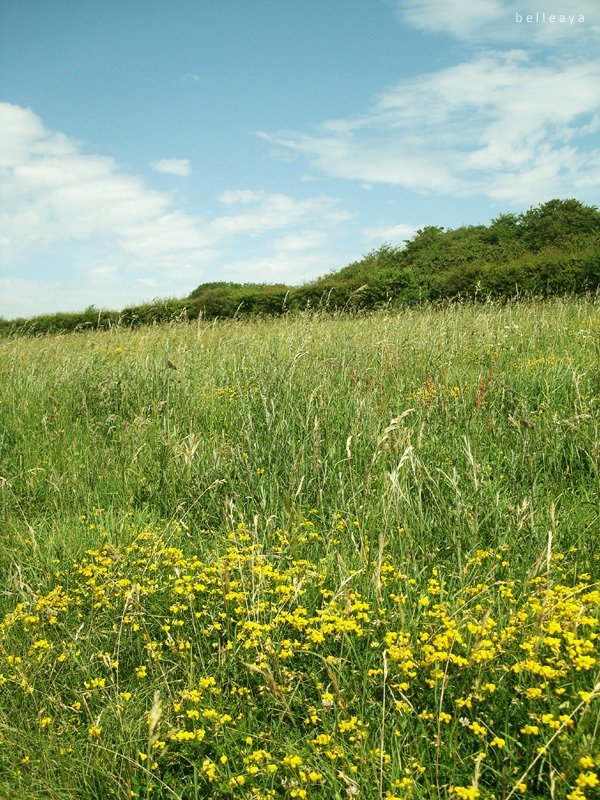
[{"x": 315, "y": 557}]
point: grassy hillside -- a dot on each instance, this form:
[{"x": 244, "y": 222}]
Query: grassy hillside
[
  {"x": 552, "y": 249},
  {"x": 322, "y": 556}
]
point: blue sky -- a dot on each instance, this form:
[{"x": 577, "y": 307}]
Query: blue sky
[{"x": 147, "y": 146}]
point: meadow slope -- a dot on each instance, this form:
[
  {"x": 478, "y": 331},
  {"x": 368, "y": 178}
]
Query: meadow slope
[{"x": 312, "y": 557}]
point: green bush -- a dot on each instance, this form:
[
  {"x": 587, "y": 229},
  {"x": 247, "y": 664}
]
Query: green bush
[{"x": 550, "y": 249}]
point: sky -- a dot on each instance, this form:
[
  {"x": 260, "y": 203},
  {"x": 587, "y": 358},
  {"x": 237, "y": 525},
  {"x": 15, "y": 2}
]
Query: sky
[{"x": 149, "y": 146}]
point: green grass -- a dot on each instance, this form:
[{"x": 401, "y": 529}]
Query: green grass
[{"x": 343, "y": 460}]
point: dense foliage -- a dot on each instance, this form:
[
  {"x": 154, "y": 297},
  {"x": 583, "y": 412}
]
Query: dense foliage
[{"x": 552, "y": 249}]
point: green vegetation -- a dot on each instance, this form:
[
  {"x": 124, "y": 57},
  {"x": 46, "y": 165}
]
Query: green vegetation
[
  {"x": 320, "y": 556},
  {"x": 552, "y": 249}
]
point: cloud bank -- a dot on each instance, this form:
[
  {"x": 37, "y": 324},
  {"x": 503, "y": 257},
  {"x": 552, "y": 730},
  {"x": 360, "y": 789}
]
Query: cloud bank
[
  {"x": 501, "y": 125},
  {"x": 513, "y": 122},
  {"x": 173, "y": 166},
  {"x": 119, "y": 230}
]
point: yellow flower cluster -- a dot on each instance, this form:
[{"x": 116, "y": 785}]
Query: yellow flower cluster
[{"x": 276, "y": 676}]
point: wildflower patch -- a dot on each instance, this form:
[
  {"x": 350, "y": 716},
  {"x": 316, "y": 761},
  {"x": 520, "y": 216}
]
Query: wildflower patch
[{"x": 263, "y": 672}]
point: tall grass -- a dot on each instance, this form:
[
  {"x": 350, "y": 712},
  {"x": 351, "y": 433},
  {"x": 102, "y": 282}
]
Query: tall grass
[{"x": 401, "y": 442}]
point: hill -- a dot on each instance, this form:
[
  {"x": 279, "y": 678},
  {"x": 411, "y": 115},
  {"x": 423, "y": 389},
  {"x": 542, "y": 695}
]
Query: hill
[{"x": 551, "y": 249}]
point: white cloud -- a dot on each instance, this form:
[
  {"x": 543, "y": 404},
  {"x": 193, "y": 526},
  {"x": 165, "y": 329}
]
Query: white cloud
[
  {"x": 481, "y": 127},
  {"x": 505, "y": 20},
  {"x": 394, "y": 234},
  {"x": 96, "y": 227},
  {"x": 236, "y": 196},
  {"x": 26, "y": 297},
  {"x": 281, "y": 267},
  {"x": 303, "y": 240},
  {"x": 52, "y": 191},
  {"x": 268, "y": 212},
  {"x": 173, "y": 235},
  {"x": 20, "y": 297},
  {"x": 459, "y": 17},
  {"x": 99, "y": 275},
  {"x": 173, "y": 166}
]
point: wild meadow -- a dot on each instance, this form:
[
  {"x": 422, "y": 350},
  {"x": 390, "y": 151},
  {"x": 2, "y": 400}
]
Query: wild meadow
[{"x": 313, "y": 557}]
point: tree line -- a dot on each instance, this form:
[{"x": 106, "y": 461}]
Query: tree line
[{"x": 551, "y": 249}]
